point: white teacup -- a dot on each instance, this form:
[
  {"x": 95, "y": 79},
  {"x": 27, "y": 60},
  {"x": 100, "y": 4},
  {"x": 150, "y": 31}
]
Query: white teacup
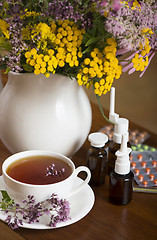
[{"x": 20, "y": 191}]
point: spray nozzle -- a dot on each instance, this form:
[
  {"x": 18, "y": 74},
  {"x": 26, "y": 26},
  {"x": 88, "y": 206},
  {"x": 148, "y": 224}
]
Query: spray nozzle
[
  {"x": 122, "y": 165},
  {"x": 124, "y": 150},
  {"x": 113, "y": 117}
]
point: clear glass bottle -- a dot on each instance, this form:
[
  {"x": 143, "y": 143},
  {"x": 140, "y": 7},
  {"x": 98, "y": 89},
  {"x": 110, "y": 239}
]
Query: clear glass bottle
[
  {"x": 97, "y": 158},
  {"x": 121, "y": 178}
]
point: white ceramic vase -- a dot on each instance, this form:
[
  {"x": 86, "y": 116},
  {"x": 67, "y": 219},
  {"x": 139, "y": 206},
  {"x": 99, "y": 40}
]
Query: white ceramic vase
[{"x": 39, "y": 113}]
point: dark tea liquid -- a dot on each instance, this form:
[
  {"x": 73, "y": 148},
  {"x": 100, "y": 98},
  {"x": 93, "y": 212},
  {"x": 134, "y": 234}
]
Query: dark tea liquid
[{"x": 33, "y": 170}]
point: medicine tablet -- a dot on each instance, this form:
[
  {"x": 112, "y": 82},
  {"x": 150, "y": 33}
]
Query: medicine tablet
[
  {"x": 154, "y": 163},
  {"x": 144, "y": 167},
  {"x": 110, "y": 136},
  {"x": 135, "y": 141},
  {"x": 133, "y": 164},
  {"x": 133, "y": 133},
  {"x": 107, "y": 128},
  {"x": 143, "y": 164},
  {"x": 153, "y": 149},
  {"x": 140, "y": 157},
  {"x": 145, "y": 147},
  {"x": 110, "y": 126},
  {"x": 141, "y": 177},
  {"x": 137, "y": 171},
  {"x": 155, "y": 181},
  {"x": 145, "y": 183},
  {"x": 151, "y": 177},
  {"x": 148, "y": 170}
]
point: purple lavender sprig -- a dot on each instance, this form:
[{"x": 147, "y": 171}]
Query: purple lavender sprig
[
  {"x": 57, "y": 209},
  {"x": 52, "y": 171},
  {"x": 72, "y": 10}
]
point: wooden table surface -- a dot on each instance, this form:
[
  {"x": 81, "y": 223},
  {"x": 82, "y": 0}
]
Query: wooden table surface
[{"x": 137, "y": 220}]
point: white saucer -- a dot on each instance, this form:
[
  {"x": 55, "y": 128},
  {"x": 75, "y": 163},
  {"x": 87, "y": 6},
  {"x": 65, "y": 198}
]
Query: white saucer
[{"x": 80, "y": 205}]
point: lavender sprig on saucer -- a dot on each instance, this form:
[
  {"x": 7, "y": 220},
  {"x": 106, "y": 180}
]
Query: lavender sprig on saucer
[{"x": 31, "y": 211}]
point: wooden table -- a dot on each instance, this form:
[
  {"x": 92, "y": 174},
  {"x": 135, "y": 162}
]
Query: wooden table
[{"x": 137, "y": 220}]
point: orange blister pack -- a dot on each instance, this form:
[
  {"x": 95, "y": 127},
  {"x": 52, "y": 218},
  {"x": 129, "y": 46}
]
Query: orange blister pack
[{"x": 144, "y": 166}]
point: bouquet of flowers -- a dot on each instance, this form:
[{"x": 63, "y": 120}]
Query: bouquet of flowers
[{"x": 84, "y": 39}]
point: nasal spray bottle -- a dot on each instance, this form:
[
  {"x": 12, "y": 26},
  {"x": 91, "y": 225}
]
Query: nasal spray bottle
[
  {"x": 121, "y": 126},
  {"x": 121, "y": 178}
]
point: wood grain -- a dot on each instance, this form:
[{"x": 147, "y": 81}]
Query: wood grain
[{"x": 135, "y": 221}]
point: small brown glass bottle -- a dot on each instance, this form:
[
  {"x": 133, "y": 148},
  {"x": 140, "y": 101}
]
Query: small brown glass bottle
[
  {"x": 97, "y": 158},
  {"x": 121, "y": 178},
  {"x": 121, "y": 127},
  {"x": 120, "y": 188}
]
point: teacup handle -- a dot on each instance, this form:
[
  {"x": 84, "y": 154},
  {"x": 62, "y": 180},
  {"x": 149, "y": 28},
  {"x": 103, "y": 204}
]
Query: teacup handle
[{"x": 86, "y": 181}]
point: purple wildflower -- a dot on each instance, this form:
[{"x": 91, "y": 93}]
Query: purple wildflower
[
  {"x": 59, "y": 9},
  {"x": 17, "y": 44},
  {"x": 107, "y": 5},
  {"x": 13, "y": 222},
  {"x": 57, "y": 209},
  {"x": 62, "y": 208},
  {"x": 127, "y": 25},
  {"x": 52, "y": 171},
  {"x": 116, "y": 4},
  {"x": 120, "y": 21}
]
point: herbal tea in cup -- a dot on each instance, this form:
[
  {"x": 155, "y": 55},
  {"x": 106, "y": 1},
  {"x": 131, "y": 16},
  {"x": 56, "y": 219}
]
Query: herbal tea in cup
[
  {"x": 41, "y": 173},
  {"x": 39, "y": 170}
]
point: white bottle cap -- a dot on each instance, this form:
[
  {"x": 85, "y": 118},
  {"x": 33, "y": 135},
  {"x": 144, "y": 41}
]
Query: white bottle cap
[
  {"x": 98, "y": 139},
  {"x": 113, "y": 117},
  {"x": 122, "y": 164},
  {"x": 121, "y": 127}
]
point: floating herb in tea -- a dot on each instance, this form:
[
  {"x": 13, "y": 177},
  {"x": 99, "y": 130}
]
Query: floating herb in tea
[
  {"x": 38, "y": 170},
  {"x": 52, "y": 171}
]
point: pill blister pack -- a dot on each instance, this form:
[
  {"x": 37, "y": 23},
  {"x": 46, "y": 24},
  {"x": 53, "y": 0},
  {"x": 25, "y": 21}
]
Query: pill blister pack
[
  {"x": 144, "y": 166},
  {"x": 135, "y": 136},
  {"x": 142, "y": 148}
]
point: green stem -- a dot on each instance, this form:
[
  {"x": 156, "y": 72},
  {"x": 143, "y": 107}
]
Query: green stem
[{"x": 101, "y": 109}]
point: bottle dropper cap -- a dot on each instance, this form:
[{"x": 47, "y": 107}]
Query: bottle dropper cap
[
  {"x": 98, "y": 139},
  {"x": 113, "y": 117},
  {"x": 122, "y": 164}
]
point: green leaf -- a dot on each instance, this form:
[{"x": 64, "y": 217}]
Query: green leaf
[
  {"x": 7, "y": 70},
  {"x": 6, "y": 202},
  {"x": 89, "y": 49},
  {"x": 5, "y": 196},
  {"x": 27, "y": 68},
  {"x": 93, "y": 40},
  {"x": 86, "y": 37},
  {"x": 101, "y": 29}
]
